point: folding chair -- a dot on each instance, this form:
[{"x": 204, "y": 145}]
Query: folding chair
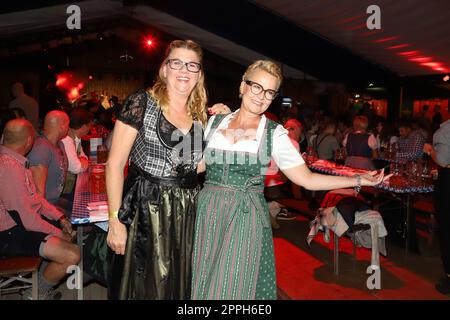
[{"x": 356, "y": 228}]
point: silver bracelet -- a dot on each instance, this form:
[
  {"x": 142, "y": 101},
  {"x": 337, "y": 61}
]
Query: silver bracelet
[{"x": 358, "y": 183}]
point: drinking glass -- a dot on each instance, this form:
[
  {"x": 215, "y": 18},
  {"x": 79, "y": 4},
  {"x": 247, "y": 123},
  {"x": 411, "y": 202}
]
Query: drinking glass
[
  {"x": 339, "y": 156},
  {"x": 102, "y": 154}
]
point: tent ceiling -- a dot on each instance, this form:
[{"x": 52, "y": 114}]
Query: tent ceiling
[
  {"x": 322, "y": 39},
  {"x": 414, "y": 39},
  {"x": 41, "y": 19}
]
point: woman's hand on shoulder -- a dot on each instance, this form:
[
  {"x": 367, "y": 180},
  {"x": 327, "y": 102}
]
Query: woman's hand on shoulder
[{"x": 219, "y": 108}]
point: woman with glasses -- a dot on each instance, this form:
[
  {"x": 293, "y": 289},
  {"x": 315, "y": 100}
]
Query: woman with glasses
[
  {"x": 152, "y": 211},
  {"x": 233, "y": 248}
]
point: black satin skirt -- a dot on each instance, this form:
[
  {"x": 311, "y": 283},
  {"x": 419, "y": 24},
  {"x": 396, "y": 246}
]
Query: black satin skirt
[{"x": 159, "y": 214}]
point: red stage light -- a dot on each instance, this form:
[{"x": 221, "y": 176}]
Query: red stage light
[
  {"x": 149, "y": 42},
  {"x": 80, "y": 85},
  {"x": 91, "y": 77},
  {"x": 60, "y": 80},
  {"x": 446, "y": 78},
  {"x": 73, "y": 94}
]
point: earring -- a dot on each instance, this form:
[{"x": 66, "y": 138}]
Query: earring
[{"x": 240, "y": 95}]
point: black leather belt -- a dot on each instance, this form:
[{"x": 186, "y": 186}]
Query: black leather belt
[{"x": 189, "y": 181}]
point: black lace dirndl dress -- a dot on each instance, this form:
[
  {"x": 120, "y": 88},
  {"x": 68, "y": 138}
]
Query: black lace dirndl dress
[{"x": 158, "y": 205}]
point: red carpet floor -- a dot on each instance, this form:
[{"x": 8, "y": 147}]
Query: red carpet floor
[{"x": 306, "y": 273}]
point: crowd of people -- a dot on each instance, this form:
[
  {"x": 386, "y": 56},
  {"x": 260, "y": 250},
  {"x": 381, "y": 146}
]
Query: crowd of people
[{"x": 170, "y": 236}]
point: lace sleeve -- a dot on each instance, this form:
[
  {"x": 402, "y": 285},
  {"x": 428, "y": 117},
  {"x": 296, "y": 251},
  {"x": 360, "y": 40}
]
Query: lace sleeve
[{"x": 133, "y": 109}]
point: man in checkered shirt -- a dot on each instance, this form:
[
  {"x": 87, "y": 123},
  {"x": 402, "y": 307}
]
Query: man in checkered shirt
[
  {"x": 410, "y": 143},
  {"x": 23, "y": 231}
]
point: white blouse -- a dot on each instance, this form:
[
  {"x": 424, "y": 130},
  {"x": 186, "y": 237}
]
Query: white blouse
[
  {"x": 71, "y": 146},
  {"x": 283, "y": 152}
]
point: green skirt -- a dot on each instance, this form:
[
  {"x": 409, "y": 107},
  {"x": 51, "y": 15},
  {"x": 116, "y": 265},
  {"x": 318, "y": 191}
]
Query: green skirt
[{"x": 233, "y": 247}]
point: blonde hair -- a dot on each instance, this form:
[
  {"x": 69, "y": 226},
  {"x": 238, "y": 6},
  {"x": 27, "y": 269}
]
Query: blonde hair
[
  {"x": 360, "y": 123},
  {"x": 266, "y": 65},
  {"x": 197, "y": 99}
]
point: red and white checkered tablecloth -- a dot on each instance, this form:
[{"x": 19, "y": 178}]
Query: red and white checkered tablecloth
[
  {"x": 331, "y": 168},
  {"x": 83, "y": 196}
]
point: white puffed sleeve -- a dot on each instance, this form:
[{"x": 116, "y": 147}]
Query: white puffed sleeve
[{"x": 284, "y": 153}]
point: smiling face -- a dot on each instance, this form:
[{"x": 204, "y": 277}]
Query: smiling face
[
  {"x": 181, "y": 81},
  {"x": 258, "y": 103}
]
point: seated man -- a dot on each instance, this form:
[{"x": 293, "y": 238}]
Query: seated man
[
  {"x": 23, "y": 232},
  {"x": 277, "y": 185},
  {"x": 326, "y": 143},
  {"x": 410, "y": 143},
  {"x": 80, "y": 124},
  {"x": 48, "y": 160}
]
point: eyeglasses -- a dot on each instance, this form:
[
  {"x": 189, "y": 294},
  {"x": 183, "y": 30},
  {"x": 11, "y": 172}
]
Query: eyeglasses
[
  {"x": 256, "y": 89},
  {"x": 177, "y": 64}
]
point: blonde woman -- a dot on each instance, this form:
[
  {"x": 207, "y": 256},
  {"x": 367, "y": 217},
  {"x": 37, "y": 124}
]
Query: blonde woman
[
  {"x": 233, "y": 248},
  {"x": 151, "y": 219},
  {"x": 361, "y": 147}
]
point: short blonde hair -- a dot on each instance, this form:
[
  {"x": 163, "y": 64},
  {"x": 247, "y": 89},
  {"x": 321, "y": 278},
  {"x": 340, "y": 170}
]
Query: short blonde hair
[
  {"x": 197, "y": 99},
  {"x": 360, "y": 123},
  {"x": 265, "y": 65}
]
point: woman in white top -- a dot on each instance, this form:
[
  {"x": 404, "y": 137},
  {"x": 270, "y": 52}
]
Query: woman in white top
[{"x": 233, "y": 248}]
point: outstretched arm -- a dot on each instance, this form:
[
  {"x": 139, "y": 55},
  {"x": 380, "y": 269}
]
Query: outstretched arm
[{"x": 302, "y": 176}]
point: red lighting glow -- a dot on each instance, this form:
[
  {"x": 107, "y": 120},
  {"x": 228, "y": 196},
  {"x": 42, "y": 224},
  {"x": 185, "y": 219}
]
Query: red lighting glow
[
  {"x": 408, "y": 53},
  {"x": 91, "y": 77},
  {"x": 149, "y": 42},
  {"x": 431, "y": 64},
  {"x": 399, "y": 46},
  {"x": 80, "y": 86},
  {"x": 60, "y": 80},
  {"x": 385, "y": 39},
  {"x": 420, "y": 59},
  {"x": 73, "y": 94},
  {"x": 446, "y": 78}
]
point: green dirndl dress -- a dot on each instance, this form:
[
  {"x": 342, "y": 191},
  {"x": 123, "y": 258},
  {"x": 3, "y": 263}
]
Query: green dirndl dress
[{"x": 233, "y": 246}]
